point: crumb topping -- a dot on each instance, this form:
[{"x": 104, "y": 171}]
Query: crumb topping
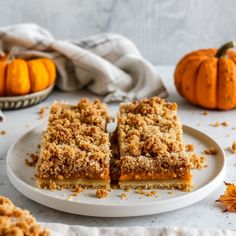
[
  {"x": 101, "y": 193},
  {"x": 75, "y": 143},
  {"x": 15, "y": 221},
  {"x": 150, "y": 138}
]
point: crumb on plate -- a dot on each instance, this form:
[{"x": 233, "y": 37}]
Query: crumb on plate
[
  {"x": 189, "y": 148},
  {"x": 210, "y": 151},
  {"x": 123, "y": 196},
  {"x": 101, "y": 193},
  {"x": 233, "y": 147}
]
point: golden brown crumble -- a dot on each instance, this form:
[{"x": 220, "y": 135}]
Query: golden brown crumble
[
  {"x": 147, "y": 194},
  {"x": 150, "y": 139},
  {"x": 75, "y": 143},
  {"x": 15, "y": 221},
  {"x": 189, "y": 148},
  {"x": 32, "y": 159},
  {"x": 233, "y": 147},
  {"x": 123, "y": 196},
  {"x": 197, "y": 162},
  {"x": 210, "y": 151},
  {"x": 101, "y": 193},
  {"x": 205, "y": 113}
]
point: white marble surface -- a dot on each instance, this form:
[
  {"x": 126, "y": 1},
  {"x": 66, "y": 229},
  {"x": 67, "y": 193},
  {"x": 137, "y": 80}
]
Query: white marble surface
[
  {"x": 163, "y": 30},
  {"x": 205, "y": 214}
]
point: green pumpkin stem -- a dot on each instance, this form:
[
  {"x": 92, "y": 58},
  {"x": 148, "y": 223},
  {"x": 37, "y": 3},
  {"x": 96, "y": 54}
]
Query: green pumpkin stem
[{"x": 222, "y": 50}]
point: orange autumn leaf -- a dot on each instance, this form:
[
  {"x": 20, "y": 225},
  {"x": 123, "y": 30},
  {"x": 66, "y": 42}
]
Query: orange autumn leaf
[{"x": 229, "y": 197}]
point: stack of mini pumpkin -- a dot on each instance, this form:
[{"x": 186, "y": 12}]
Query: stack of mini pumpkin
[
  {"x": 207, "y": 77},
  {"x": 20, "y": 77}
]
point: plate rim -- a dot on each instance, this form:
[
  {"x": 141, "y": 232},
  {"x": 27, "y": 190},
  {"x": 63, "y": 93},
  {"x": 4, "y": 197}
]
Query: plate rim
[{"x": 212, "y": 185}]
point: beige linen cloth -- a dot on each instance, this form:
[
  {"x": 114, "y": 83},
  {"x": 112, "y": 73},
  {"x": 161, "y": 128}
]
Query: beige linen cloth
[
  {"x": 73, "y": 230},
  {"x": 106, "y": 64}
]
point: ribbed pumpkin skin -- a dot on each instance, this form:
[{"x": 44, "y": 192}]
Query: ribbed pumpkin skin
[
  {"x": 206, "y": 80},
  {"x": 20, "y": 77}
]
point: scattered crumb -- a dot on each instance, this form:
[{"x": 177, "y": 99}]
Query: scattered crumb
[
  {"x": 127, "y": 189},
  {"x": 71, "y": 196},
  {"x": 225, "y": 123},
  {"x": 3, "y": 132},
  {"x": 38, "y": 146},
  {"x": 77, "y": 190},
  {"x": 101, "y": 193},
  {"x": 227, "y": 135},
  {"x": 217, "y": 124},
  {"x": 147, "y": 194},
  {"x": 151, "y": 193},
  {"x": 233, "y": 147},
  {"x": 27, "y": 126},
  {"x": 234, "y": 128},
  {"x": 197, "y": 161},
  {"x": 123, "y": 196},
  {"x": 32, "y": 159},
  {"x": 189, "y": 148},
  {"x": 205, "y": 113},
  {"x": 170, "y": 193},
  {"x": 210, "y": 151},
  {"x": 42, "y": 112},
  {"x": 198, "y": 124}
]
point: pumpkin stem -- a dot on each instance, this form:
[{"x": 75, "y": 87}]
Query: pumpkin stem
[
  {"x": 11, "y": 55},
  {"x": 222, "y": 50}
]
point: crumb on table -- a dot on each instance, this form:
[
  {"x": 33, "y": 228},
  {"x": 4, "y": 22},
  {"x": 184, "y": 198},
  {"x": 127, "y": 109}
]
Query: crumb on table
[
  {"x": 101, "y": 193},
  {"x": 210, "y": 151},
  {"x": 233, "y": 147},
  {"x": 189, "y": 148},
  {"x": 123, "y": 196},
  {"x": 205, "y": 113},
  {"x": 42, "y": 112},
  {"x": 216, "y": 124},
  {"x": 3, "y": 132},
  {"x": 224, "y": 123}
]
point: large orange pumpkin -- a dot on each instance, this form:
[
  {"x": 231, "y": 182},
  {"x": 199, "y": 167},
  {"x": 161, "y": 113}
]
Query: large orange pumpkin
[
  {"x": 20, "y": 77},
  {"x": 207, "y": 77}
]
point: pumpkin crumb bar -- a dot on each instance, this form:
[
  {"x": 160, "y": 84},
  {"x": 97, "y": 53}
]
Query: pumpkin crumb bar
[
  {"x": 151, "y": 149},
  {"x": 15, "y": 221},
  {"x": 75, "y": 148}
]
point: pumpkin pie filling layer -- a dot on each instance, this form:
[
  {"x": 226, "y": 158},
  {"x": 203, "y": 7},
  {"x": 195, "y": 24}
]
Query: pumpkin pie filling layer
[
  {"x": 151, "y": 150},
  {"x": 75, "y": 148}
]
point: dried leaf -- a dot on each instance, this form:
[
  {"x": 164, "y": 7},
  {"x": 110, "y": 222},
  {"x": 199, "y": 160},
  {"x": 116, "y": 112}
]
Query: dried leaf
[{"x": 229, "y": 197}]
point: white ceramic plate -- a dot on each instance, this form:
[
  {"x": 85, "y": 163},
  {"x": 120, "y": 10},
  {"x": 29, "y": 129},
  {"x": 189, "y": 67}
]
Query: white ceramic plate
[{"x": 205, "y": 181}]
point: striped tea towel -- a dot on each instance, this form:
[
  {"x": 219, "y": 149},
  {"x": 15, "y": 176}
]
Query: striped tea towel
[{"x": 106, "y": 64}]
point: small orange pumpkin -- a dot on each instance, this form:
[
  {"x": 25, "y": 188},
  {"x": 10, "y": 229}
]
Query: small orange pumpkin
[
  {"x": 207, "y": 77},
  {"x": 20, "y": 77}
]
